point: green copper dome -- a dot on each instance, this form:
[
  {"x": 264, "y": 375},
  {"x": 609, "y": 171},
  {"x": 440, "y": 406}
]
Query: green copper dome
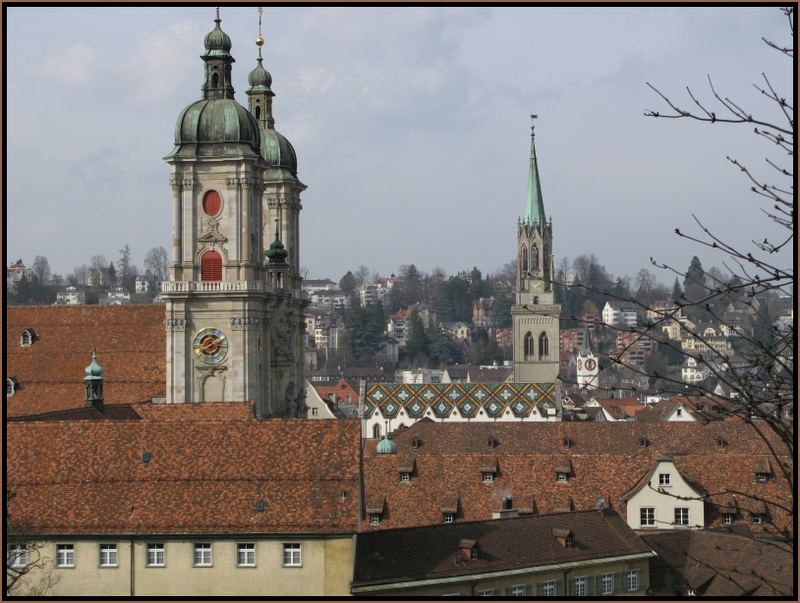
[
  {"x": 276, "y": 254},
  {"x": 386, "y": 446},
  {"x": 260, "y": 80},
  {"x": 216, "y": 126},
  {"x": 94, "y": 372},
  {"x": 278, "y": 151},
  {"x": 217, "y": 42}
]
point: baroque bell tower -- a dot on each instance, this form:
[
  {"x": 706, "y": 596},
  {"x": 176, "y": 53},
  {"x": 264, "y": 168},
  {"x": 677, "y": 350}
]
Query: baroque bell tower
[
  {"x": 535, "y": 315},
  {"x": 231, "y": 311}
]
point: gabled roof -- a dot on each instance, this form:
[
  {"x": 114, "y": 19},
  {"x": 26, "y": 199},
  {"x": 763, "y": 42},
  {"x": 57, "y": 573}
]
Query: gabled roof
[
  {"x": 204, "y": 474},
  {"x": 130, "y": 343},
  {"x": 405, "y": 555}
]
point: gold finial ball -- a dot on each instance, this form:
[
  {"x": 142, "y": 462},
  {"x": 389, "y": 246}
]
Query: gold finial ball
[{"x": 260, "y": 41}]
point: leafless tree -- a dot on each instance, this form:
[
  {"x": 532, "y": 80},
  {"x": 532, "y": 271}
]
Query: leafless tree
[{"x": 156, "y": 262}]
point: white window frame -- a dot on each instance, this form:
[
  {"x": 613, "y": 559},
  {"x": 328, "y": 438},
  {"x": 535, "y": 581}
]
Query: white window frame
[
  {"x": 488, "y": 592},
  {"x": 374, "y": 519},
  {"x": 25, "y": 339},
  {"x": 292, "y": 554},
  {"x": 758, "y": 518},
  {"x": 17, "y": 555},
  {"x": 65, "y": 555},
  {"x": 154, "y": 549},
  {"x": 681, "y": 516},
  {"x": 11, "y": 387},
  {"x": 108, "y": 555},
  {"x": 314, "y": 411},
  {"x": 518, "y": 590},
  {"x": 562, "y": 477},
  {"x": 727, "y": 519},
  {"x": 487, "y": 477},
  {"x": 633, "y": 580},
  {"x": 647, "y": 517},
  {"x": 549, "y": 588},
  {"x": 664, "y": 480},
  {"x": 581, "y": 583},
  {"x": 762, "y": 477},
  {"x": 245, "y": 554},
  {"x": 203, "y": 554},
  {"x": 405, "y": 477},
  {"x": 607, "y": 583},
  {"x": 449, "y": 518}
]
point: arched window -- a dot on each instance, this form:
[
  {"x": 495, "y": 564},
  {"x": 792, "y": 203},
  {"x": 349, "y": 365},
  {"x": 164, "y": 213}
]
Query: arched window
[
  {"x": 258, "y": 111},
  {"x": 214, "y": 80},
  {"x": 534, "y": 258},
  {"x": 544, "y": 346},
  {"x": 528, "y": 345},
  {"x": 25, "y": 338},
  {"x": 376, "y": 431},
  {"x": 211, "y": 267},
  {"x": 524, "y": 258},
  {"x": 212, "y": 203},
  {"x": 536, "y": 299}
]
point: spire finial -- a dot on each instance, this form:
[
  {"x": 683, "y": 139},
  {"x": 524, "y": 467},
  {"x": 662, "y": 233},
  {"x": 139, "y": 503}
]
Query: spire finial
[
  {"x": 277, "y": 235},
  {"x": 218, "y": 20},
  {"x": 260, "y": 38},
  {"x": 533, "y": 124}
]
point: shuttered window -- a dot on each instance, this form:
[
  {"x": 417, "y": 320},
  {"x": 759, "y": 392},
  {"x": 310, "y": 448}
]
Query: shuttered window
[
  {"x": 212, "y": 203},
  {"x": 211, "y": 267}
]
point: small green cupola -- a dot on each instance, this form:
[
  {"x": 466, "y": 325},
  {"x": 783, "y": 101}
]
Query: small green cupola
[
  {"x": 386, "y": 446},
  {"x": 277, "y": 268},
  {"x": 218, "y": 60},
  {"x": 94, "y": 383}
]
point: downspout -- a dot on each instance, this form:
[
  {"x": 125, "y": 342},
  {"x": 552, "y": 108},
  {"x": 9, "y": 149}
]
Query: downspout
[
  {"x": 133, "y": 576},
  {"x": 566, "y": 572}
]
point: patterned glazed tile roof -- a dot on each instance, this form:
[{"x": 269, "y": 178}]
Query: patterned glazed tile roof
[
  {"x": 201, "y": 475},
  {"x": 420, "y": 553},
  {"x": 494, "y": 399},
  {"x": 606, "y": 460},
  {"x": 130, "y": 345}
]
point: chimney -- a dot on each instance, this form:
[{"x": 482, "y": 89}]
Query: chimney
[{"x": 94, "y": 384}]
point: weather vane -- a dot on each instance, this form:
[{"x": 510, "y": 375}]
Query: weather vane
[
  {"x": 260, "y": 38},
  {"x": 532, "y": 123}
]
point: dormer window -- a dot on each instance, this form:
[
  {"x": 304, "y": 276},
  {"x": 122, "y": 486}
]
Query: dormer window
[
  {"x": 569, "y": 542},
  {"x": 488, "y": 469},
  {"x": 416, "y": 443},
  {"x": 762, "y": 477},
  {"x": 11, "y": 387},
  {"x": 758, "y": 518},
  {"x": 562, "y": 477},
  {"x": 679, "y": 412},
  {"x": 643, "y": 443},
  {"x": 566, "y": 443},
  {"x": 720, "y": 443},
  {"x": 405, "y": 477},
  {"x": 449, "y": 517},
  {"x": 727, "y": 519},
  {"x": 26, "y": 338},
  {"x": 487, "y": 477},
  {"x": 492, "y": 442},
  {"x": 374, "y": 519}
]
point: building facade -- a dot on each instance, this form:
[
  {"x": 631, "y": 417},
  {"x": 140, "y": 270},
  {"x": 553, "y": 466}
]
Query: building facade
[
  {"x": 535, "y": 314},
  {"x": 234, "y": 309}
]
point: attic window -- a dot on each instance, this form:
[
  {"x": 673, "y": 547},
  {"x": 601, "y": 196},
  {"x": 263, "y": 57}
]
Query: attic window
[
  {"x": 569, "y": 542},
  {"x": 405, "y": 477},
  {"x": 26, "y": 338},
  {"x": 449, "y": 517},
  {"x": 146, "y": 456},
  {"x": 720, "y": 443},
  {"x": 643, "y": 443},
  {"x": 562, "y": 477},
  {"x": 259, "y": 506},
  {"x": 507, "y": 503},
  {"x": 492, "y": 442},
  {"x": 487, "y": 477},
  {"x": 416, "y": 443},
  {"x": 374, "y": 519},
  {"x": 10, "y": 387},
  {"x": 566, "y": 443},
  {"x": 762, "y": 477}
]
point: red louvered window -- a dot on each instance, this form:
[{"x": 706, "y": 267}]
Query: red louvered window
[
  {"x": 212, "y": 203},
  {"x": 211, "y": 267}
]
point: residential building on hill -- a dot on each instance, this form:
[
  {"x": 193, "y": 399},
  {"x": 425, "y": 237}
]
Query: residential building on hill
[{"x": 618, "y": 315}]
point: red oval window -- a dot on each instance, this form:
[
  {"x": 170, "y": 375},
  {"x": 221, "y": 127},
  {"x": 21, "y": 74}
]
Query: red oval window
[
  {"x": 211, "y": 267},
  {"x": 212, "y": 203}
]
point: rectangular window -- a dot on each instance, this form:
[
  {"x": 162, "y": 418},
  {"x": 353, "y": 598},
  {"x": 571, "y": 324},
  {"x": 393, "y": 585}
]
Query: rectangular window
[
  {"x": 762, "y": 477},
  {"x": 375, "y": 519},
  {"x": 633, "y": 580},
  {"x": 518, "y": 590},
  {"x": 108, "y": 555},
  {"x": 488, "y": 477},
  {"x": 155, "y": 554},
  {"x": 314, "y": 411},
  {"x": 488, "y": 592},
  {"x": 246, "y": 554},
  {"x": 549, "y": 588},
  {"x": 65, "y": 555},
  {"x": 579, "y": 586},
  {"x": 607, "y": 584},
  {"x": 449, "y": 517},
  {"x": 292, "y": 554},
  {"x": 647, "y": 516},
  {"x": 202, "y": 554},
  {"x": 405, "y": 477},
  {"x": 681, "y": 516},
  {"x": 562, "y": 477},
  {"x": 727, "y": 518},
  {"x": 17, "y": 555},
  {"x": 663, "y": 479}
]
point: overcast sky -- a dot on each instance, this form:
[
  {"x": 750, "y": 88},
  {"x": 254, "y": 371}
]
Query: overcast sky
[{"x": 410, "y": 125}]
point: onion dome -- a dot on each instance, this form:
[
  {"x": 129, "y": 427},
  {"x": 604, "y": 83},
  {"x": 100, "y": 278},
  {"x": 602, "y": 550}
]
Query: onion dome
[
  {"x": 94, "y": 372},
  {"x": 217, "y": 42},
  {"x": 386, "y": 446},
  {"x": 216, "y": 126},
  {"x": 276, "y": 254},
  {"x": 260, "y": 80},
  {"x": 277, "y": 151}
]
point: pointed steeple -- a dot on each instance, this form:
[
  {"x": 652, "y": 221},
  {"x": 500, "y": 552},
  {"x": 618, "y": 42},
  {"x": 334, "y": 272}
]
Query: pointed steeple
[
  {"x": 586, "y": 346},
  {"x": 534, "y": 210}
]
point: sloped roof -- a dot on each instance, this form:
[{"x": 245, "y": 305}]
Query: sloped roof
[
  {"x": 204, "y": 474},
  {"x": 130, "y": 343},
  {"x": 621, "y": 407},
  {"x": 606, "y": 461},
  {"x": 386, "y": 556}
]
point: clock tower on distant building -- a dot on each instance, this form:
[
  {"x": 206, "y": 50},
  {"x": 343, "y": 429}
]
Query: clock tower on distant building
[
  {"x": 234, "y": 312},
  {"x": 587, "y": 368},
  {"x": 535, "y": 315}
]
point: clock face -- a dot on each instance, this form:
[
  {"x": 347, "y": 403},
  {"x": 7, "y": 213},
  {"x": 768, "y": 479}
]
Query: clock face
[
  {"x": 210, "y": 345},
  {"x": 590, "y": 364},
  {"x": 580, "y": 363}
]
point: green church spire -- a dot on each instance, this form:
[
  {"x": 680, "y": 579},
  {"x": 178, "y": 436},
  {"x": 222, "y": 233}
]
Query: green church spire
[{"x": 534, "y": 210}]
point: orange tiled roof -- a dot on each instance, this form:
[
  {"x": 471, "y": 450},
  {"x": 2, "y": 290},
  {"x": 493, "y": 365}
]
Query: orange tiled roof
[
  {"x": 130, "y": 344},
  {"x": 204, "y": 475},
  {"x": 606, "y": 460}
]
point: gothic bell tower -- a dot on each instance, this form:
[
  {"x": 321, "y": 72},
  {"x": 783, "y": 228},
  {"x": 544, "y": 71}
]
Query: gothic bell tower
[
  {"x": 225, "y": 318},
  {"x": 535, "y": 315}
]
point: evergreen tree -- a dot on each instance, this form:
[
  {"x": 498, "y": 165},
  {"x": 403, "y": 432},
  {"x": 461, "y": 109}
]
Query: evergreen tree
[
  {"x": 417, "y": 339},
  {"x": 677, "y": 292},
  {"x": 501, "y": 313},
  {"x": 347, "y": 283}
]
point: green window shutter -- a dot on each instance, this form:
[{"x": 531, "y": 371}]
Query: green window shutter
[
  {"x": 540, "y": 589},
  {"x": 559, "y": 588},
  {"x": 590, "y": 585},
  {"x": 528, "y": 590},
  {"x": 619, "y": 580}
]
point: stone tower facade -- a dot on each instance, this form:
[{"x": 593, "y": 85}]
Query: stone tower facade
[
  {"x": 535, "y": 315},
  {"x": 234, "y": 311}
]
